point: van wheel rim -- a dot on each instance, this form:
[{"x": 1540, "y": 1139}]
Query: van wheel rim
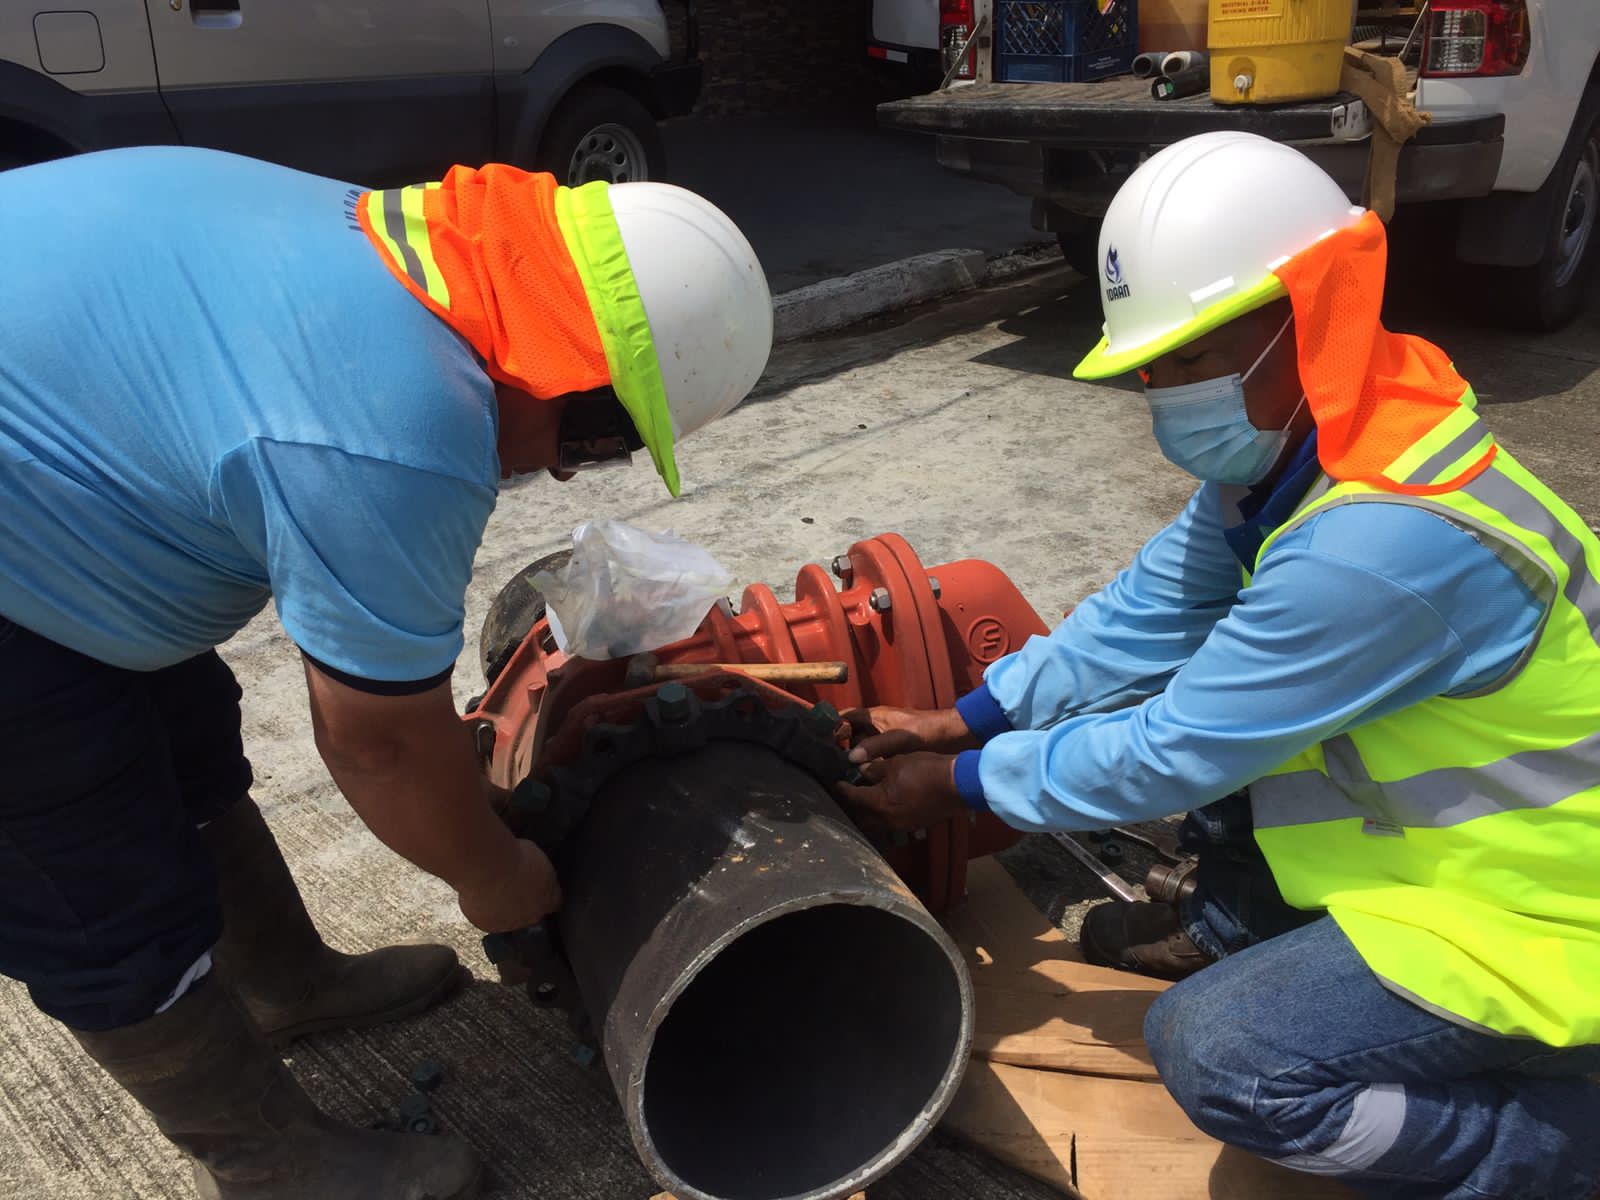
[
  {"x": 610, "y": 153},
  {"x": 1578, "y": 218}
]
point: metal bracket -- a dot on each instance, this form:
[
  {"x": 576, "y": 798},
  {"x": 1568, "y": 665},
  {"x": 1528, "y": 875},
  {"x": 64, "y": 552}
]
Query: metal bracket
[{"x": 972, "y": 43}]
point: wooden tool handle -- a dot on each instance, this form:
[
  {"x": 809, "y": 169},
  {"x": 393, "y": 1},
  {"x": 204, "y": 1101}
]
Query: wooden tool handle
[{"x": 816, "y": 672}]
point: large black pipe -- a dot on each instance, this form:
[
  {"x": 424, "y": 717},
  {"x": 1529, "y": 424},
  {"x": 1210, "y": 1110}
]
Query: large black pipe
[{"x": 780, "y": 1016}]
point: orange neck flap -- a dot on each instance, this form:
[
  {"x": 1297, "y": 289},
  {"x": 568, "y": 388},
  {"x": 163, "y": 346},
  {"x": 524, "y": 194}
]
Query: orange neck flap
[
  {"x": 1374, "y": 394},
  {"x": 483, "y": 250}
]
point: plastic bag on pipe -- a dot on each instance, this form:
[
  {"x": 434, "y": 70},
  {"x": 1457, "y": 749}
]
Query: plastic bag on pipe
[{"x": 627, "y": 590}]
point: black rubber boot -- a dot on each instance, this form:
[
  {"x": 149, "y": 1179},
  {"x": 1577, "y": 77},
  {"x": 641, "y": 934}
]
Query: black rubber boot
[
  {"x": 273, "y": 957},
  {"x": 1140, "y": 936},
  {"x": 218, "y": 1089}
]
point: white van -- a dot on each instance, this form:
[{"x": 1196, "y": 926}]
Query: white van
[{"x": 905, "y": 34}]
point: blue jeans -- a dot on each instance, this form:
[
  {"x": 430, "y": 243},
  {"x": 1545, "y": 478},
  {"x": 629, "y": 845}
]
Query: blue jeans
[
  {"x": 1291, "y": 1048},
  {"x": 107, "y": 892}
]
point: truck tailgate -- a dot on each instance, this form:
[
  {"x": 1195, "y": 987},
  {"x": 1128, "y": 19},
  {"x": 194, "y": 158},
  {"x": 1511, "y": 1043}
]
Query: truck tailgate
[{"x": 1113, "y": 113}]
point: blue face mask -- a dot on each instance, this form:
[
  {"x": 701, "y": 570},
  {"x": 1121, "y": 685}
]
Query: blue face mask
[{"x": 1203, "y": 427}]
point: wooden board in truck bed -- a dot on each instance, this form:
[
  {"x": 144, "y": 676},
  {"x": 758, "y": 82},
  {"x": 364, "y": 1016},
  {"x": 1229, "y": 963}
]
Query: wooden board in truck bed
[{"x": 1115, "y": 112}]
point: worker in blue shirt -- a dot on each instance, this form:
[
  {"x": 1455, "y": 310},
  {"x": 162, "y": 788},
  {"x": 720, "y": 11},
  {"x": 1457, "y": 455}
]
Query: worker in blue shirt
[
  {"x": 221, "y": 383},
  {"x": 1365, "y": 660}
]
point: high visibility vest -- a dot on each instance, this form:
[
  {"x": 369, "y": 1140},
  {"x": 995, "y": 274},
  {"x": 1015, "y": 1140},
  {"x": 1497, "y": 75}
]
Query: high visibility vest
[{"x": 1457, "y": 841}]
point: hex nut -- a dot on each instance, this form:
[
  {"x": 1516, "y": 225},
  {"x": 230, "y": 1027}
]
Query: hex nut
[
  {"x": 880, "y": 600},
  {"x": 672, "y": 699},
  {"x": 841, "y": 566},
  {"x": 423, "y": 1125},
  {"x": 934, "y": 584},
  {"x": 427, "y": 1075}
]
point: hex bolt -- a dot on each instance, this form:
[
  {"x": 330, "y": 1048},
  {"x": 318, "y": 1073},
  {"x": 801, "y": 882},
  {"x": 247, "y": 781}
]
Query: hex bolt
[
  {"x": 584, "y": 1054},
  {"x": 880, "y": 600},
  {"x": 414, "y": 1106},
  {"x": 823, "y": 718},
  {"x": 427, "y": 1075},
  {"x": 933, "y": 583},
  {"x": 841, "y": 566},
  {"x": 1112, "y": 852},
  {"x": 672, "y": 699}
]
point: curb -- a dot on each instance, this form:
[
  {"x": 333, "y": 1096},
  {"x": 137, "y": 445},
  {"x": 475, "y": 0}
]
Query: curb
[{"x": 845, "y": 300}]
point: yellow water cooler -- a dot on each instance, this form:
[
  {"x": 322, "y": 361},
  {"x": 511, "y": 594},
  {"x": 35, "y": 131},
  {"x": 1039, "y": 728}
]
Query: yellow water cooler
[{"x": 1277, "y": 51}]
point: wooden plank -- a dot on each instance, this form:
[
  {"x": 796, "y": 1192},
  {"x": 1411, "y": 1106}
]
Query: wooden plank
[
  {"x": 1038, "y": 1003},
  {"x": 1111, "y": 1139}
]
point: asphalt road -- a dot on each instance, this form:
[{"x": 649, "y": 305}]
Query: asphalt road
[
  {"x": 879, "y": 197},
  {"x": 958, "y": 426}
]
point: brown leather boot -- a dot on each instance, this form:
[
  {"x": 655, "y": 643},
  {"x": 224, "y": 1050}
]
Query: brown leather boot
[
  {"x": 219, "y": 1091},
  {"x": 1140, "y": 936},
  {"x": 273, "y": 957}
]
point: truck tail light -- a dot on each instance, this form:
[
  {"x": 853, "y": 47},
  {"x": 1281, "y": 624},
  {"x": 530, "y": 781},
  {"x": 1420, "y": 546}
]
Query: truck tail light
[
  {"x": 956, "y": 23},
  {"x": 1475, "y": 37}
]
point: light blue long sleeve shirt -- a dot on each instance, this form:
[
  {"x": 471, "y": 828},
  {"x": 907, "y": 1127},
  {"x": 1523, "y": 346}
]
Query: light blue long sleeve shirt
[{"x": 1174, "y": 685}]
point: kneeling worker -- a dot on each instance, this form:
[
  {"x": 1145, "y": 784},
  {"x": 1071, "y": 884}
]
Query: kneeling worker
[{"x": 1365, "y": 659}]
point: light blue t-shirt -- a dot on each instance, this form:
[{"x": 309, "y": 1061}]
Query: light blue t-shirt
[{"x": 212, "y": 391}]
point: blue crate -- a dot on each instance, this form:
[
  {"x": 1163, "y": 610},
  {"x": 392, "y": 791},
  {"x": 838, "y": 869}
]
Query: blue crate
[{"x": 1064, "y": 41}]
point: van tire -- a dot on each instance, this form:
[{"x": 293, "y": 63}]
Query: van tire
[
  {"x": 600, "y": 132},
  {"x": 1080, "y": 249},
  {"x": 1552, "y": 291}
]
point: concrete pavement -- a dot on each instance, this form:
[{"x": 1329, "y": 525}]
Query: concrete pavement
[{"x": 960, "y": 428}]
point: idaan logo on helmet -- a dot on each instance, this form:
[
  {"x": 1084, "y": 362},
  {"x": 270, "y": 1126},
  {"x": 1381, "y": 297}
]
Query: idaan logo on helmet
[{"x": 1118, "y": 289}]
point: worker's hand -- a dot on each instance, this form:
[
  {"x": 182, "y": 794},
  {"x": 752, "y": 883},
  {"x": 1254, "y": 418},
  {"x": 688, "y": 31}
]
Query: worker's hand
[
  {"x": 521, "y": 895},
  {"x": 884, "y": 732},
  {"x": 907, "y": 792}
]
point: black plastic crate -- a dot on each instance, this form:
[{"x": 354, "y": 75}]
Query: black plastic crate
[{"x": 1064, "y": 41}]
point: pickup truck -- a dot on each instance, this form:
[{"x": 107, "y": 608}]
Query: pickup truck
[{"x": 1511, "y": 155}]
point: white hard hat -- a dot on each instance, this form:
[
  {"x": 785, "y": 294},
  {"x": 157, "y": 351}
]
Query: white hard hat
[
  {"x": 705, "y": 297},
  {"x": 1192, "y": 239}
]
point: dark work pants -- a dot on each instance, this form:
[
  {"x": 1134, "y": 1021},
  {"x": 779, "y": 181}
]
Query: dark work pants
[
  {"x": 1236, "y": 902},
  {"x": 107, "y": 893}
]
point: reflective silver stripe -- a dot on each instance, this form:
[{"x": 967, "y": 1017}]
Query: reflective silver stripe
[
  {"x": 1444, "y": 1014},
  {"x": 1510, "y": 498},
  {"x": 394, "y": 223},
  {"x": 1324, "y": 484},
  {"x": 1430, "y": 800},
  {"x": 1299, "y": 798},
  {"x": 1453, "y": 450},
  {"x": 1376, "y": 1118}
]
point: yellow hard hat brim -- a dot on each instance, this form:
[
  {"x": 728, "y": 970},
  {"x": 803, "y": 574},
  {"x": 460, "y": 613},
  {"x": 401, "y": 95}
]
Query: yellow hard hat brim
[{"x": 1103, "y": 362}]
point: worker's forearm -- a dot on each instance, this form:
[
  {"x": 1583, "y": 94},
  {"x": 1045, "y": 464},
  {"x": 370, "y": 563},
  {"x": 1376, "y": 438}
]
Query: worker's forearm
[{"x": 424, "y": 798}]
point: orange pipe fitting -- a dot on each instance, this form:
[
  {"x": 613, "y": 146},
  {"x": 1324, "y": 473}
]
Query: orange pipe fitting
[{"x": 911, "y": 637}]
